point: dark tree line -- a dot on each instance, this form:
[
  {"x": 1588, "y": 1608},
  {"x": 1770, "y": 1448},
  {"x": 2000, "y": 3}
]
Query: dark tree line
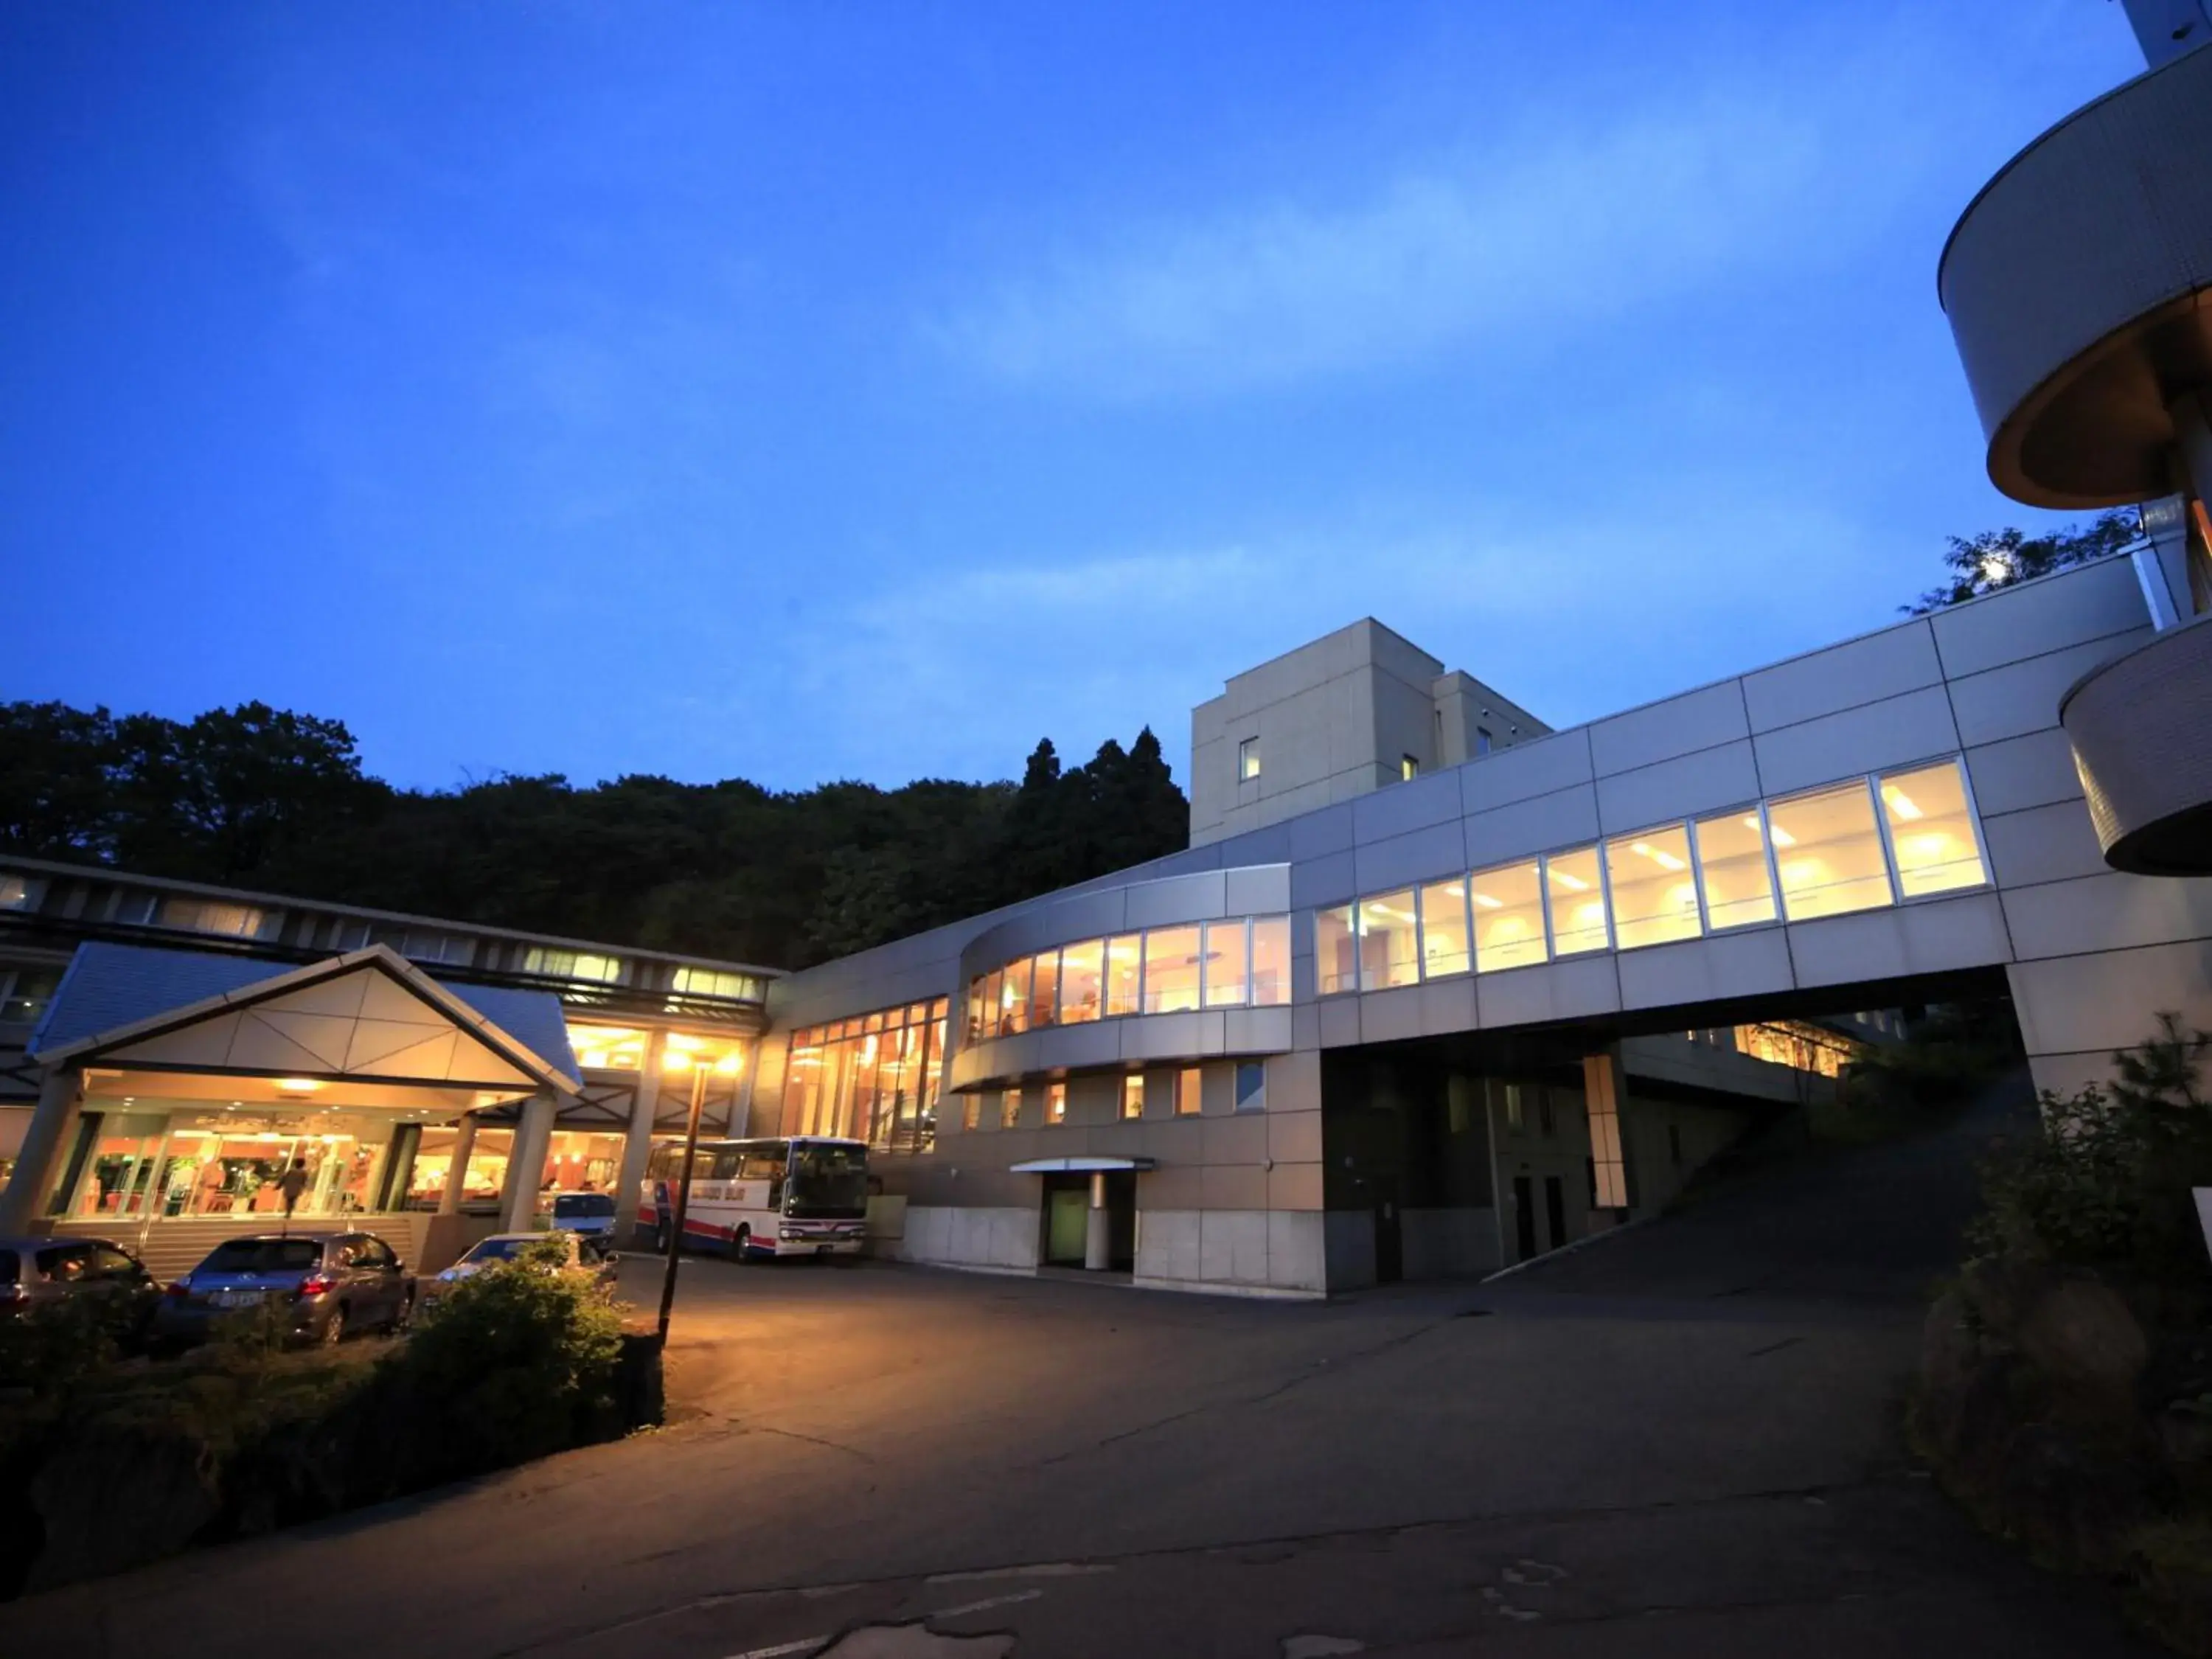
[
  {"x": 1999, "y": 558},
  {"x": 261, "y": 798}
]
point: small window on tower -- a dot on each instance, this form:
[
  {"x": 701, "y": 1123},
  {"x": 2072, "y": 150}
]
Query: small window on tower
[
  {"x": 1408, "y": 768},
  {"x": 1481, "y": 739},
  {"x": 1248, "y": 760}
]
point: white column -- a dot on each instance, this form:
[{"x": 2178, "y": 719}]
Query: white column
[
  {"x": 1098, "y": 1236},
  {"x": 45, "y": 1142},
  {"x": 526, "y": 1164},
  {"x": 637, "y": 1146},
  {"x": 465, "y": 1142}
]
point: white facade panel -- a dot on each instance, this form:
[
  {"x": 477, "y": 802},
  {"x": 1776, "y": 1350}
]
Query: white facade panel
[
  {"x": 1885, "y": 665},
  {"x": 1896, "y": 731},
  {"x": 1678, "y": 789},
  {"x": 1696, "y": 719}
]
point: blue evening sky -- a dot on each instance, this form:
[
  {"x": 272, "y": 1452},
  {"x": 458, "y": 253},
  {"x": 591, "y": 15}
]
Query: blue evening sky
[{"x": 866, "y": 390}]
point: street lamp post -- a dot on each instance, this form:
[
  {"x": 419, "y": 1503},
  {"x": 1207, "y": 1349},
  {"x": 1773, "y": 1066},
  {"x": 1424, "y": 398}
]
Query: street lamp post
[{"x": 684, "y": 1183}]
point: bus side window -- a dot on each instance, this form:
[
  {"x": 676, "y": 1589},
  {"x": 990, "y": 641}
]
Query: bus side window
[
  {"x": 657, "y": 1165},
  {"x": 726, "y": 1164}
]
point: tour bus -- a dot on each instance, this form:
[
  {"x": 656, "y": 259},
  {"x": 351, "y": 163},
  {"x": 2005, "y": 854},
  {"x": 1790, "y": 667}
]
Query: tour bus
[{"x": 800, "y": 1196}]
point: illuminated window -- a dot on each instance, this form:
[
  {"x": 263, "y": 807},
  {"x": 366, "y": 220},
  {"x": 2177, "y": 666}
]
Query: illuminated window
[
  {"x": 994, "y": 1004},
  {"x": 1408, "y": 768},
  {"x": 1010, "y": 1108},
  {"x": 1014, "y": 998},
  {"x": 1336, "y": 957},
  {"x": 1390, "y": 944},
  {"x": 1055, "y": 1102},
  {"x": 1732, "y": 865},
  {"x": 1044, "y": 990},
  {"x": 976, "y": 1004},
  {"x": 20, "y": 892},
  {"x": 1509, "y": 916},
  {"x": 712, "y": 982},
  {"x": 1132, "y": 1095},
  {"x": 680, "y": 1051},
  {"x": 1125, "y": 973},
  {"x": 25, "y": 992},
  {"x": 1608, "y": 1168},
  {"x": 1655, "y": 895},
  {"x": 1443, "y": 929},
  {"x": 1515, "y": 1117},
  {"x": 1248, "y": 760},
  {"x": 554, "y": 964},
  {"x": 1931, "y": 830},
  {"x": 1082, "y": 970},
  {"x": 1187, "y": 1093},
  {"x": 1171, "y": 969},
  {"x": 971, "y": 1113},
  {"x": 1226, "y": 964},
  {"x": 1577, "y": 902},
  {"x": 1829, "y": 853},
  {"x": 209, "y": 916},
  {"x": 1271, "y": 961},
  {"x": 608, "y": 1048}
]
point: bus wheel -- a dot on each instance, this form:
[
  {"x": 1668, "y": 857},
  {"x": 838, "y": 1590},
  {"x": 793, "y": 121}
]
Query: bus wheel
[{"x": 741, "y": 1246}]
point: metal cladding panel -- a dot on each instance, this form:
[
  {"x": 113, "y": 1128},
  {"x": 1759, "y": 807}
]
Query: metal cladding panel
[
  {"x": 1256, "y": 847},
  {"x": 1256, "y": 1030},
  {"x": 1697, "y": 719},
  {"x": 1566, "y": 819},
  {"x": 1327, "y": 830},
  {"x": 1440, "y": 850},
  {"x": 1339, "y": 1022},
  {"x": 1390, "y": 1016},
  {"x": 1543, "y": 766},
  {"x": 2107, "y": 912},
  {"x": 1898, "y": 731},
  {"x": 1328, "y": 880},
  {"x": 1257, "y": 892},
  {"x": 1935, "y": 936},
  {"x": 2056, "y": 842},
  {"x": 2140, "y": 728},
  {"x": 1181, "y": 898},
  {"x": 2095, "y": 1004},
  {"x": 1679, "y": 788},
  {"x": 1075, "y": 1047},
  {"x": 1753, "y": 962},
  {"x": 1885, "y": 665},
  {"x": 2035, "y": 771},
  {"x": 2092, "y": 602},
  {"x": 2023, "y": 696},
  {"x": 1573, "y": 989},
  {"x": 1413, "y": 804},
  {"x": 1448, "y": 1005}
]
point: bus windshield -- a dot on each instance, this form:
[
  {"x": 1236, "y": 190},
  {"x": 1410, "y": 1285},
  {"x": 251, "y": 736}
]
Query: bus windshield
[{"x": 827, "y": 1181}]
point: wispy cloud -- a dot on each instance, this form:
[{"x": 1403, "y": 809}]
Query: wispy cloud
[{"x": 1555, "y": 218}]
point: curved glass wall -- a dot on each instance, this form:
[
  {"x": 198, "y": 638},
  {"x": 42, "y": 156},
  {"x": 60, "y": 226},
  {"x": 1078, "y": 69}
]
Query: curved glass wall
[
  {"x": 1824, "y": 852},
  {"x": 875, "y": 1076},
  {"x": 1244, "y": 962}
]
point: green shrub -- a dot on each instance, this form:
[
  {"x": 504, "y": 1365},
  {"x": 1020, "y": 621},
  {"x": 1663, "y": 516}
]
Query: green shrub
[
  {"x": 52, "y": 1346},
  {"x": 2107, "y": 1183},
  {"x": 513, "y": 1363}
]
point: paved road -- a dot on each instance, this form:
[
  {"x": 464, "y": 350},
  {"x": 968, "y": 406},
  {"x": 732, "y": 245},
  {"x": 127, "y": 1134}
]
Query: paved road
[{"x": 1678, "y": 1443}]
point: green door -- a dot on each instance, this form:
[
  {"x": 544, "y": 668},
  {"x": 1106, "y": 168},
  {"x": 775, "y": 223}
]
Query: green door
[{"x": 1066, "y": 1223}]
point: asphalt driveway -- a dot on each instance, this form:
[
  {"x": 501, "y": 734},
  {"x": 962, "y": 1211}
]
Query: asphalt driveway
[{"x": 1680, "y": 1442}]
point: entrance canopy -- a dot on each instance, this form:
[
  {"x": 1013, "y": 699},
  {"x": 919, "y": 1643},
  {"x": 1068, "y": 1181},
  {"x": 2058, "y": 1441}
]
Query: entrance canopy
[
  {"x": 1080, "y": 1165},
  {"x": 365, "y": 1029}
]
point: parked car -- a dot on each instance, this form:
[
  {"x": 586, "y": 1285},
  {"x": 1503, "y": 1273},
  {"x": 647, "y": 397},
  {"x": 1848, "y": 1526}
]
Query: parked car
[
  {"x": 584, "y": 1213},
  {"x": 37, "y": 1272},
  {"x": 587, "y": 1253},
  {"x": 325, "y": 1284}
]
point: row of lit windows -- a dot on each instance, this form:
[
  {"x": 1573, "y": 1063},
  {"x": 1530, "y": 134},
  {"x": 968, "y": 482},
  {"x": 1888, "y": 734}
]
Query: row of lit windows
[
  {"x": 1245, "y": 961},
  {"x": 1182, "y": 1097},
  {"x": 1825, "y": 853},
  {"x": 622, "y": 1048}
]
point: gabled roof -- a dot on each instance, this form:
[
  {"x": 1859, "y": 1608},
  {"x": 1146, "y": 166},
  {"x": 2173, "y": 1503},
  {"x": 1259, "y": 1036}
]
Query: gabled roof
[{"x": 114, "y": 996}]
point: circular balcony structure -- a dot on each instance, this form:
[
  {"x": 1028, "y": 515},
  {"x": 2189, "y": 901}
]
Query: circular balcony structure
[
  {"x": 2079, "y": 290},
  {"x": 2139, "y": 726}
]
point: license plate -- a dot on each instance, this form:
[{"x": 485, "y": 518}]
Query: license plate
[{"x": 239, "y": 1299}]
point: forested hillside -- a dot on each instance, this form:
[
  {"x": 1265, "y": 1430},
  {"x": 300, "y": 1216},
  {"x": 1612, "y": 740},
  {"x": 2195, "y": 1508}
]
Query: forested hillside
[{"x": 261, "y": 798}]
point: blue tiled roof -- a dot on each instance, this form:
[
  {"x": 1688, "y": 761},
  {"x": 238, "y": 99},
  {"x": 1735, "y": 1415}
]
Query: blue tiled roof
[{"x": 109, "y": 986}]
